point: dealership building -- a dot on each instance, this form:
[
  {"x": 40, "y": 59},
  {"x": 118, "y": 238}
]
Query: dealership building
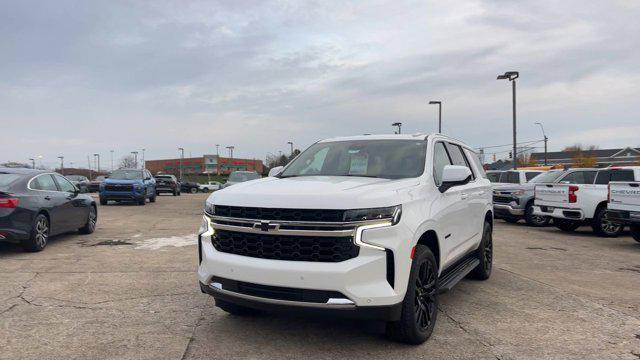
[{"x": 206, "y": 164}]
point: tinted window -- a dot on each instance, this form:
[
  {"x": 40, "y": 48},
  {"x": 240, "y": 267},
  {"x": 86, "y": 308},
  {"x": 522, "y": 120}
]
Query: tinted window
[
  {"x": 603, "y": 177},
  {"x": 547, "y": 177},
  {"x": 510, "y": 177},
  {"x": 457, "y": 157},
  {"x": 440, "y": 160},
  {"x": 44, "y": 182},
  {"x": 493, "y": 177},
  {"x": 64, "y": 184},
  {"x": 622, "y": 175},
  {"x": 531, "y": 175},
  {"x": 6, "y": 179}
]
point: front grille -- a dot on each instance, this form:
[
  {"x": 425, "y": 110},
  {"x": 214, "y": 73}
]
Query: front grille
[
  {"x": 118, "y": 187},
  {"x": 285, "y": 247},
  {"x": 502, "y": 199},
  {"x": 280, "y": 214}
]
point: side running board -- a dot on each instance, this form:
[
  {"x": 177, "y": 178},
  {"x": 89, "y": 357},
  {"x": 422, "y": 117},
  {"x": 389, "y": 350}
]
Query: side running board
[{"x": 450, "y": 278}]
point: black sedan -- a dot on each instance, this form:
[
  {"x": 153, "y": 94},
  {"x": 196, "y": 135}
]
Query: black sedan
[{"x": 35, "y": 205}]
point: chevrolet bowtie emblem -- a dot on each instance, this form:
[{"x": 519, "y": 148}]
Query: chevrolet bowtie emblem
[{"x": 265, "y": 226}]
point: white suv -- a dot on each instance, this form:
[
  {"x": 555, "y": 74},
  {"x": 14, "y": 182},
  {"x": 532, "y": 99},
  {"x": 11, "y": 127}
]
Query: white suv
[{"x": 366, "y": 226}]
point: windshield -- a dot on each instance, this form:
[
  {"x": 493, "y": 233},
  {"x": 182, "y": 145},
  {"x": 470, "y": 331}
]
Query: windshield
[
  {"x": 75, "y": 177},
  {"x": 493, "y": 177},
  {"x": 243, "y": 176},
  {"x": 126, "y": 175},
  {"x": 100, "y": 178},
  {"x": 7, "y": 179},
  {"x": 389, "y": 159},
  {"x": 547, "y": 177}
]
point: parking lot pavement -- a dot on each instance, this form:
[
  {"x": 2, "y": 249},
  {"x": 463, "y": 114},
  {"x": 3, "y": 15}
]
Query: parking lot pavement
[{"x": 129, "y": 291}]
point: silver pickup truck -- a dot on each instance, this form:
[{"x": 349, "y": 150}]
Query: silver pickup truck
[{"x": 515, "y": 201}]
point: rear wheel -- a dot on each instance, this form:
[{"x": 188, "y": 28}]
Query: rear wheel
[
  {"x": 484, "y": 254},
  {"x": 194, "y": 190},
  {"x": 235, "y": 309},
  {"x": 534, "y": 220},
  {"x": 92, "y": 220},
  {"x": 39, "y": 234},
  {"x": 603, "y": 226},
  {"x": 420, "y": 304},
  {"x": 566, "y": 225},
  {"x": 635, "y": 232}
]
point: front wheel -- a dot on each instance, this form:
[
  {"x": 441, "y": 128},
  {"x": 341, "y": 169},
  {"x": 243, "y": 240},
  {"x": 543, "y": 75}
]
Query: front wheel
[
  {"x": 194, "y": 190},
  {"x": 566, "y": 225},
  {"x": 92, "y": 219},
  {"x": 635, "y": 232},
  {"x": 153, "y": 198},
  {"x": 142, "y": 200},
  {"x": 534, "y": 220},
  {"x": 603, "y": 226},
  {"x": 420, "y": 304}
]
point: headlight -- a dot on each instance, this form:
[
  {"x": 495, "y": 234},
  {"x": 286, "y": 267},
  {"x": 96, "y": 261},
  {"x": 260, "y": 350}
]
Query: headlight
[
  {"x": 137, "y": 186},
  {"x": 518, "y": 192},
  {"x": 209, "y": 208},
  {"x": 391, "y": 213}
]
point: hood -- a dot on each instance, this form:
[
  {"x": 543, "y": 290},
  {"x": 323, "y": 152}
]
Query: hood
[
  {"x": 315, "y": 192},
  {"x": 126, "y": 182}
]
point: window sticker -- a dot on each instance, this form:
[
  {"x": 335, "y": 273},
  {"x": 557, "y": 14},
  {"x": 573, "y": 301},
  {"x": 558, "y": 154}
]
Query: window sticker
[{"x": 359, "y": 164}]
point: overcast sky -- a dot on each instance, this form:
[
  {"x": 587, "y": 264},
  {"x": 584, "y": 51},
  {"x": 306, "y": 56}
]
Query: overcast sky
[{"x": 85, "y": 77}]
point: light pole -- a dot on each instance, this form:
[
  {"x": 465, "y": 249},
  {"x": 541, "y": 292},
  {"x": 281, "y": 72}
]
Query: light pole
[
  {"x": 111, "y": 160},
  {"x": 135, "y": 157},
  {"x": 231, "y": 151},
  {"x": 217, "y": 159},
  {"x": 291, "y": 143},
  {"x": 144, "y": 166},
  {"x": 180, "y": 162},
  {"x": 512, "y": 76},
  {"x": 97, "y": 156},
  {"x": 545, "y": 142},
  {"x": 33, "y": 163},
  {"x": 61, "y": 164},
  {"x": 399, "y": 125},
  {"x": 439, "y": 103}
]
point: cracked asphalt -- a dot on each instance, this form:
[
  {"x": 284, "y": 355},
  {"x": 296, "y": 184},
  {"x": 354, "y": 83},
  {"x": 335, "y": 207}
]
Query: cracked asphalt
[{"x": 129, "y": 291}]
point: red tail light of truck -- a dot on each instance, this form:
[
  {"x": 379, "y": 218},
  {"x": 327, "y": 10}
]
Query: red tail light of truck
[{"x": 573, "y": 198}]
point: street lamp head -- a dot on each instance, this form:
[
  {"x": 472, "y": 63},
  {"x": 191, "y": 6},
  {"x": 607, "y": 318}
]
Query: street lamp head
[
  {"x": 435, "y": 102},
  {"x": 396, "y": 124},
  {"x": 509, "y": 75}
]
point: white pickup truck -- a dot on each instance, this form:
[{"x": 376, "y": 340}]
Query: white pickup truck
[
  {"x": 624, "y": 205},
  {"x": 572, "y": 205},
  {"x": 371, "y": 226},
  {"x": 210, "y": 186}
]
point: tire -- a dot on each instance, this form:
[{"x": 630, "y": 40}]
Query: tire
[
  {"x": 635, "y": 232},
  {"x": 39, "y": 234},
  {"x": 420, "y": 304},
  {"x": 484, "y": 254},
  {"x": 534, "y": 220},
  {"x": 603, "y": 227},
  {"x": 511, "y": 220},
  {"x": 193, "y": 190},
  {"x": 175, "y": 192},
  {"x": 92, "y": 219},
  {"x": 143, "y": 200},
  {"x": 153, "y": 198},
  {"x": 179, "y": 193},
  {"x": 235, "y": 309},
  {"x": 205, "y": 190},
  {"x": 103, "y": 201},
  {"x": 567, "y": 225}
]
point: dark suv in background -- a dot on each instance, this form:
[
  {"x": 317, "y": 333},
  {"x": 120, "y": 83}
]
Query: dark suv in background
[{"x": 167, "y": 184}]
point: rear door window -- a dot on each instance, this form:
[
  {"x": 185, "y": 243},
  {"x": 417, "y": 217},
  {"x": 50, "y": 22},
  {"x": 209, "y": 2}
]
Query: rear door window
[
  {"x": 622, "y": 175},
  {"x": 44, "y": 182}
]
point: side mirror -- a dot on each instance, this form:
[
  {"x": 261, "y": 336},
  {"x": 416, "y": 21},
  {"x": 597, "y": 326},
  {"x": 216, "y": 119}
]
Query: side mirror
[
  {"x": 147, "y": 179},
  {"x": 454, "y": 175},
  {"x": 275, "y": 171}
]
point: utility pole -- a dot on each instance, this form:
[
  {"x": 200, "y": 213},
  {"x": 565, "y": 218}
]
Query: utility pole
[
  {"x": 135, "y": 157},
  {"x": 439, "y": 103},
  {"x": 399, "y": 125},
  {"x": 111, "y": 160},
  {"x": 546, "y": 139},
  {"x": 61, "y": 164},
  {"x": 231, "y": 151},
  {"x": 180, "y": 162},
  {"x": 89, "y": 164},
  {"x": 97, "y": 157},
  {"x": 33, "y": 163},
  {"x": 144, "y": 166},
  {"x": 291, "y": 143},
  {"x": 512, "y": 76}
]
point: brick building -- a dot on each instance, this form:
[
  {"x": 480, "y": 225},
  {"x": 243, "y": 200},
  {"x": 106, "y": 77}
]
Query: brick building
[{"x": 206, "y": 164}]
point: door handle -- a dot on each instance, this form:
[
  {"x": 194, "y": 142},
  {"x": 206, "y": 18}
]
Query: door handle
[
  {"x": 47, "y": 197},
  {"x": 464, "y": 196}
]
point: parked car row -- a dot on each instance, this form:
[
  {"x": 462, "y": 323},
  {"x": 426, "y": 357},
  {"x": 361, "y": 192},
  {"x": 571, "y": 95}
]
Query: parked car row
[{"x": 606, "y": 199}]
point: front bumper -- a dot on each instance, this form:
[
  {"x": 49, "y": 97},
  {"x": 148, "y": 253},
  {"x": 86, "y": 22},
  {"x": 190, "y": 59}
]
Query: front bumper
[
  {"x": 507, "y": 210},
  {"x": 559, "y": 213},
  {"x": 624, "y": 217},
  {"x": 160, "y": 189},
  {"x": 122, "y": 195}
]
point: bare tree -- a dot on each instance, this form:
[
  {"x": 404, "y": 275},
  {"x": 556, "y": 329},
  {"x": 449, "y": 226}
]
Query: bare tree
[{"x": 128, "y": 162}]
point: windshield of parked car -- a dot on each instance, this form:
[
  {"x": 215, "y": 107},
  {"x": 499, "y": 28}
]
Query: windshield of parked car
[
  {"x": 547, "y": 177},
  {"x": 75, "y": 177},
  {"x": 389, "y": 159},
  {"x": 126, "y": 175},
  {"x": 493, "y": 177},
  {"x": 243, "y": 176},
  {"x": 100, "y": 178},
  {"x": 7, "y": 179}
]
